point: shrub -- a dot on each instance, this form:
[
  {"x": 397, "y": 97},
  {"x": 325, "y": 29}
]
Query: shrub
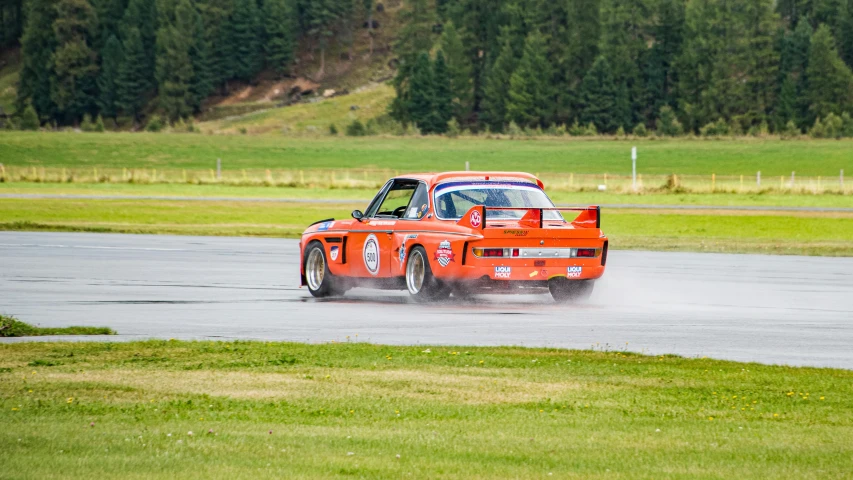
[
  {"x": 99, "y": 124},
  {"x": 561, "y": 130},
  {"x": 833, "y": 126},
  {"x": 817, "y": 130},
  {"x": 513, "y": 130},
  {"x": 10, "y": 327},
  {"x": 333, "y": 130},
  {"x": 846, "y": 125},
  {"x": 453, "y": 128},
  {"x": 30, "y": 119},
  {"x": 87, "y": 125},
  {"x": 620, "y": 132},
  {"x": 191, "y": 125},
  {"x": 155, "y": 124},
  {"x": 640, "y": 130},
  {"x": 715, "y": 129},
  {"x": 576, "y": 130},
  {"x": 590, "y": 130},
  {"x": 791, "y": 130},
  {"x": 667, "y": 123},
  {"x": 356, "y": 129}
]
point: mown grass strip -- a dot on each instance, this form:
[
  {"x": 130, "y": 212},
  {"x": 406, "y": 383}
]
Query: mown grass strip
[
  {"x": 162, "y": 409},
  {"x": 12, "y": 327},
  {"x": 729, "y": 231},
  {"x": 773, "y": 158}
]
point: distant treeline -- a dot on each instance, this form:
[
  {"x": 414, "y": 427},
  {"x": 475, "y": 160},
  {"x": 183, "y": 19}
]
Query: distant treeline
[
  {"x": 673, "y": 65},
  {"x": 114, "y": 57}
]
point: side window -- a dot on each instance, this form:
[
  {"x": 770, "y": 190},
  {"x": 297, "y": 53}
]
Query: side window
[
  {"x": 377, "y": 200},
  {"x": 419, "y": 205},
  {"x": 395, "y": 201}
]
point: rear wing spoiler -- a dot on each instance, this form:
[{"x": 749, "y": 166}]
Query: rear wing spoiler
[{"x": 477, "y": 216}]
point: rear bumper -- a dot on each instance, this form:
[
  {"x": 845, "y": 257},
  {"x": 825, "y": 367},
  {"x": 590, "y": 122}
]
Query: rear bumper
[{"x": 524, "y": 271}]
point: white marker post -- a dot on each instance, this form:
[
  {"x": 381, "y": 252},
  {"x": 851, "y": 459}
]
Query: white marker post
[
  {"x": 467, "y": 166},
  {"x": 758, "y": 178},
  {"x": 218, "y": 168},
  {"x": 634, "y": 166},
  {"x": 841, "y": 179}
]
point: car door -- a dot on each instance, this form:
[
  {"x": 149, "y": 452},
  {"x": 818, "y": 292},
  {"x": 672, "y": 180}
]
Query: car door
[{"x": 370, "y": 240}]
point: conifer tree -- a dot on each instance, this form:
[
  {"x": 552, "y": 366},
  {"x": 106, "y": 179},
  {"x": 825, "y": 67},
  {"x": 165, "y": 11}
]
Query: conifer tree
[
  {"x": 829, "y": 78},
  {"x": 762, "y": 60},
  {"x": 443, "y": 94},
  {"x": 279, "y": 32},
  {"x": 497, "y": 86},
  {"x": 37, "y": 45},
  {"x": 217, "y": 32},
  {"x": 531, "y": 97},
  {"x": 111, "y": 59},
  {"x": 460, "y": 71},
  {"x": 422, "y": 95},
  {"x": 142, "y": 15},
  {"x": 623, "y": 43},
  {"x": 659, "y": 72},
  {"x": 844, "y": 31},
  {"x": 132, "y": 85},
  {"x": 74, "y": 87},
  {"x": 598, "y": 93},
  {"x": 415, "y": 39},
  {"x": 174, "y": 71},
  {"x": 246, "y": 36}
]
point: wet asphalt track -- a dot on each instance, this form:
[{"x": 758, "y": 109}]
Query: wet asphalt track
[{"x": 770, "y": 309}]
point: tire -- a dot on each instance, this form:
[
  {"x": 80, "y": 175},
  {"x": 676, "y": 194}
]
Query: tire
[
  {"x": 421, "y": 283},
  {"x": 320, "y": 281},
  {"x": 564, "y": 290}
]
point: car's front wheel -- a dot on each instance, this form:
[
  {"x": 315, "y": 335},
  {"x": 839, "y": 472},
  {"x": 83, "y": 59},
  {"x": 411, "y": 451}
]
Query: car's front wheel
[
  {"x": 564, "y": 290},
  {"x": 421, "y": 283},
  {"x": 318, "y": 278}
]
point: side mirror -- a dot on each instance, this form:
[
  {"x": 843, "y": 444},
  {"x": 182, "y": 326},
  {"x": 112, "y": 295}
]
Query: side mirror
[{"x": 356, "y": 214}]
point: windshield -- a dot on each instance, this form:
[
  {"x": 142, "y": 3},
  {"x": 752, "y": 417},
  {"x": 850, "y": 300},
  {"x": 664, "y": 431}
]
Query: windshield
[{"x": 452, "y": 200}]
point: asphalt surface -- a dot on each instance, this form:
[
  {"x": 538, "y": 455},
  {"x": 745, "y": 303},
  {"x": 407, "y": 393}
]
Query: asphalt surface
[
  {"x": 769, "y": 309},
  {"x": 641, "y": 206}
]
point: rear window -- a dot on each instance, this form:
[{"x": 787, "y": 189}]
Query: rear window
[{"x": 452, "y": 200}]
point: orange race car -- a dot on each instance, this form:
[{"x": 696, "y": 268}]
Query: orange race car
[{"x": 457, "y": 233}]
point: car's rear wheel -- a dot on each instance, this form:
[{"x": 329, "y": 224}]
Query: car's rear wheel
[
  {"x": 421, "y": 283},
  {"x": 564, "y": 290},
  {"x": 320, "y": 281}
]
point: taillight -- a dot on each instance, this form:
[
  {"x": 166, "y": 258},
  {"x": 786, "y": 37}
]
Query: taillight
[
  {"x": 586, "y": 253},
  {"x": 496, "y": 252}
]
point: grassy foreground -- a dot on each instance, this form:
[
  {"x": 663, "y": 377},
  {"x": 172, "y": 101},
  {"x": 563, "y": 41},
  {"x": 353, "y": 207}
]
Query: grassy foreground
[
  {"x": 591, "y": 156},
  {"x": 12, "y": 327},
  {"x": 168, "y": 409},
  {"x": 704, "y": 231}
]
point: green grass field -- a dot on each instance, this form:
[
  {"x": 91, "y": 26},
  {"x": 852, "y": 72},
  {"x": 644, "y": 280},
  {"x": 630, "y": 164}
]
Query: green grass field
[
  {"x": 773, "y": 158},
  {"x": 168, "y": 409},
  {"x": 715, "y": 231},
  {"x": 364, "y": 195}
]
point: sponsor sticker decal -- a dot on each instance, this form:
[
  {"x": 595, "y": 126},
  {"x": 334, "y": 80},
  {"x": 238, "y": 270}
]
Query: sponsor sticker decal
[
  {"x": 503, "y": 272},
  {"x": 325, "y": 226},
  {"x": 402, "y": 256},
  {"x": 382, "y": 223},
  {"x": 476, "y": 219},
  {"x": 371, "y": 254},
  {"x": 574, "y": 272},
  {"x": 423, "y": 210},
  {"x": 333, "y": 253},
  {"x": 516, "y": 233},
  {"x": 534, "y": 273},
  {"x": 444, "y": 254}
]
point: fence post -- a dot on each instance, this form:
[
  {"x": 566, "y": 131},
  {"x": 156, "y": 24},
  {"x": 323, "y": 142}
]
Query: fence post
[
  {"x": 218, "y": 168},
  {"x": 792, "y": 179},
  {"x": 841, "y": 179},
  {"x": 781, "y": 182},
  {"x": 818, "y": 182},
  {"x": 713, "y": 182},
  {"x": 605, "y": 179},
  {"x": 571, "y": 179},
  {"x": 634, "y": 167},
  {"x": 154, "y": 174},
  {"x": 758, "y": 179},
  {"x": 301, "y": 177}
]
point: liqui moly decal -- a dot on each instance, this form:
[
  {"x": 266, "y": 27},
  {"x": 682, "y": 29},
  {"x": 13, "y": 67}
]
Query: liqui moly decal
[
  {"x": 444, "y": 254},
  {"x": 574, "y": 272}
]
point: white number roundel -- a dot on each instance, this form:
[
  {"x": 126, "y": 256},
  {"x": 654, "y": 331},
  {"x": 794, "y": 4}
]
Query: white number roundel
[{"x": 371, "y": 254}]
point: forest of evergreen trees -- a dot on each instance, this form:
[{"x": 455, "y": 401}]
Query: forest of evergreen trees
[
  {"x": 710, "y": 66},
  {"x": 724, "y": 66},
  {"x": 116, "y": 57}
]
